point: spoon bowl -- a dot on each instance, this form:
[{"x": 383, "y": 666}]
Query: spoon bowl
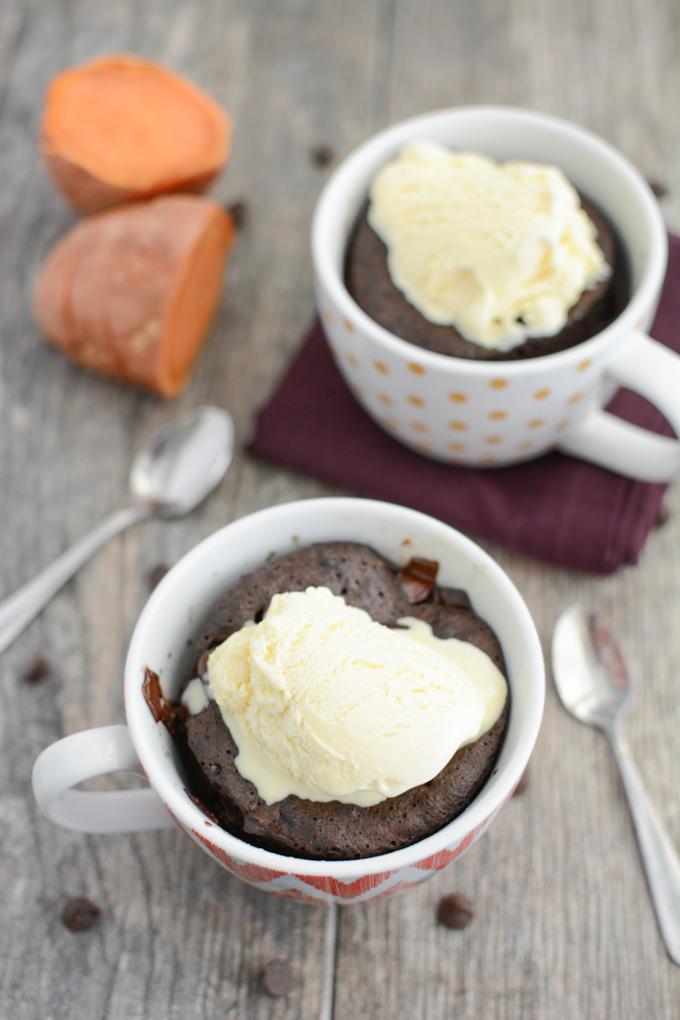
[
  {"x": 591, "y": 678},
  {"x": 181, "y": 463}
]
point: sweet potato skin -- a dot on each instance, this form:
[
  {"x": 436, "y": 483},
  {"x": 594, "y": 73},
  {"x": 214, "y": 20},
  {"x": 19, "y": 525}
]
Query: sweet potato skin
[
  {"x": 89, "y": 191},
  {"x": 109, "y": 292},
  {"x": 88, "y": 194}
]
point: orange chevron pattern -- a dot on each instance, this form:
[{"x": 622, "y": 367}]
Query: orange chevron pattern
[
  {"x": 324, "y": 888},
  {"x": 345, "y": 890}
]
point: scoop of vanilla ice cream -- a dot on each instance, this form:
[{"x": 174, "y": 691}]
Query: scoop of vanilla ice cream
[
  {"x": 500, "y": 251},
  {"x": 325, "y": 703}
]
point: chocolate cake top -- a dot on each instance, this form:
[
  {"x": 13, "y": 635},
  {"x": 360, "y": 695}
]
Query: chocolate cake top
[{"x": 334, "y": 830}]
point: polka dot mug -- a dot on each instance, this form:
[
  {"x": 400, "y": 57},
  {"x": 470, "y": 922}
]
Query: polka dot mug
[{"x": 496, "y": 413}]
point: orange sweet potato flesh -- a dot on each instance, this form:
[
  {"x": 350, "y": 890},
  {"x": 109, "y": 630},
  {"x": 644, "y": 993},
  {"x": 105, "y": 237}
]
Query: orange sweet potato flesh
[
  {"x": 130, "y": 293},
  {"x": 118, "y": 129}
]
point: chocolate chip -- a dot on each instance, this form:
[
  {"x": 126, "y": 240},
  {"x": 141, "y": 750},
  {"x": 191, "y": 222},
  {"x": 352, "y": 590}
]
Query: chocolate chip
[
  {"x": 202, "y": 664},
  {"x": 522, "y": 784},
  {"x": 662, "y": 516},
  {"x": 239, "y": 212},
  {"x": 321, "y": 156},
  {"x": 80, "y": 914},
  {"x": 455, "y": 911},
  {"x": 161, "y": 709},
  {"x": 418, "y": 578},
  {"x": 153, "y": 695},
  {"x": 279, "y": 978},
  {"x": 659, "y": 189},
  {"x": 156, "y": 575},
  {"x": 37, "y": 669}
]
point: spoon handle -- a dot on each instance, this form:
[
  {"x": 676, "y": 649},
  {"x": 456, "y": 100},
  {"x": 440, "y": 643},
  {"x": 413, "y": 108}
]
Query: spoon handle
[
  {"x": 659, "y": 857},
  {"x": 23, "y": 605}
]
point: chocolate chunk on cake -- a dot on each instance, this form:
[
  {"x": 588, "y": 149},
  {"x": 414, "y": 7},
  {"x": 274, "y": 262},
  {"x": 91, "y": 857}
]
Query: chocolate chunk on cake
[{"x": 333, "y": 829}]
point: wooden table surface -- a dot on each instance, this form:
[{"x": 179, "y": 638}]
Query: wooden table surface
[{"x": 564, "y": 926}]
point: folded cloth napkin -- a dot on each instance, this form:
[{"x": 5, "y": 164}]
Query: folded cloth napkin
[{"x": 557, "y": 508}]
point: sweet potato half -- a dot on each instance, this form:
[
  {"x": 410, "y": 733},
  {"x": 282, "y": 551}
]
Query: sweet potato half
[
  {"x": 130, "y": 293},
  {"x": 118, "y": 129}
]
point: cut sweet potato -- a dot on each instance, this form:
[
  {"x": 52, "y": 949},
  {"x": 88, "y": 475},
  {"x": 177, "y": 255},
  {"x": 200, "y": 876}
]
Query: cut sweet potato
[
  {"x": 130, "y": 293},
  {"x": 119, "y": 129}
]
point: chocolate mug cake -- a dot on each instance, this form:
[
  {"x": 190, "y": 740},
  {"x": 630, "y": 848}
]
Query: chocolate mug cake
[
  {"x": 329, "y": 715},
  {"x": 514, "y": 239}
]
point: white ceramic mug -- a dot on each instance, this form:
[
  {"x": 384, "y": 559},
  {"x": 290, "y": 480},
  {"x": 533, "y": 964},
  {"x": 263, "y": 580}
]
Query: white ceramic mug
[
  {"x": 496, "y": 413},
  {"x": 178, "y": 606}
]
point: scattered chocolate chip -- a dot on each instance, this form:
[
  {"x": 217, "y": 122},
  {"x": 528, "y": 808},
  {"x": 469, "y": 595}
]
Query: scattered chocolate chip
[
  {"x": 80, "y": 914},
  {"x": 659, "y": 189},
  {"x": 418, "y": 578},
  {"x": 321, "y": 156},
  {"x": 522, "y": 784},
  {"x": 161, "y": 709},
  {"x": 278, "y": 978},
  {"x": 662, "y": 516},
  {"x": 37, "y": 669},
  {"x": 156, "y": 575},
  {"x": 239, "y": 212},
  {"x": 455, "y": 911},
  {"x": 202, "y": 664}
]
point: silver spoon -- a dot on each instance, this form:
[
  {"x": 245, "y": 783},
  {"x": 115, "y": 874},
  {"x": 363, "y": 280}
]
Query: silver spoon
[
  {"x": 593, "y": 684},
  {"x": 174, "y": 471}
]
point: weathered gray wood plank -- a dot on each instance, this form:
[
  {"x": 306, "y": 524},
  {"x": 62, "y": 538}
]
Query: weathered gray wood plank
[{"x": 564, "y": 925}]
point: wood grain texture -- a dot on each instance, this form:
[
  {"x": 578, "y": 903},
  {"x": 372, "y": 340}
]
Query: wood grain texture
[{"x": 564, "y": 925}]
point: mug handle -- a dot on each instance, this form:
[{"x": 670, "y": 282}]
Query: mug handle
[
  {"x": 652, "y": 370},
  {"x": 83, "y": 756}
]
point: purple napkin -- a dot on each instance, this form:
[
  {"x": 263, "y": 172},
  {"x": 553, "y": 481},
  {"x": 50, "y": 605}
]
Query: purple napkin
[{"x": 557, "y": 508}]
